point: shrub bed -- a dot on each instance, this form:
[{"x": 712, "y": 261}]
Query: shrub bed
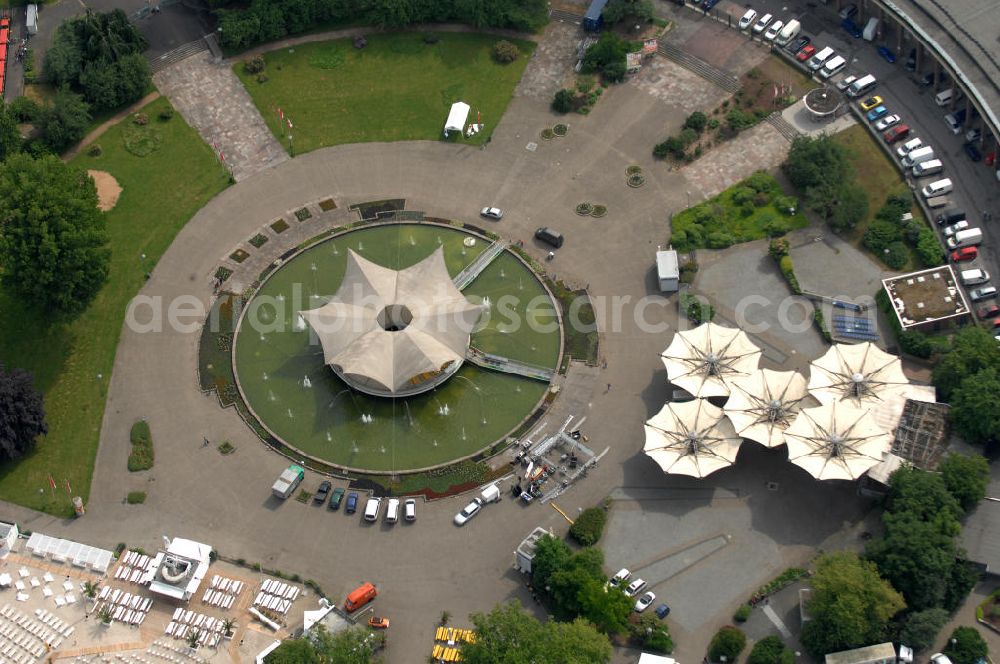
[
  {"x": 141, "y": 456},
  {"x": 589, "y": 526}
]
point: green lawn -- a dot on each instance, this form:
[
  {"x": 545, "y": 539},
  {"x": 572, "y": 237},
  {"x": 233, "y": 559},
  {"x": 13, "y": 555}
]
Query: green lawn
[
  {"x": 397, "y": 88},
  {"x": 72, "y": 361}
]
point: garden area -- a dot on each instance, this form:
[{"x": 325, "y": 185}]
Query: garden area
[
  {"x": 404, "y": 83},
  {"x": 753, "y": 209},
  {"x": 72, "y": 359}
]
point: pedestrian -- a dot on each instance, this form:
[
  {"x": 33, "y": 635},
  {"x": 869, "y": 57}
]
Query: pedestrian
[
  {"x": 608, "y": 388},
  {"x": 767, "y": 601},
  {"x": 206, "y": 443}
]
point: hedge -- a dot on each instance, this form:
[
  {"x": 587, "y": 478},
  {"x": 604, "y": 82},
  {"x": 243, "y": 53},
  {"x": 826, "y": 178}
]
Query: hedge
[{"x": 589, "y": 526}]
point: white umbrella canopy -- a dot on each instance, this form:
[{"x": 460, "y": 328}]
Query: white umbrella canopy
[
  {"x": 836, "y": 441},
  {"x": 762, "y": 405},
  {"x": 862, "y": 374},
  {"x": 691, "y": 438},
  {"x": 703, "y": 360}
]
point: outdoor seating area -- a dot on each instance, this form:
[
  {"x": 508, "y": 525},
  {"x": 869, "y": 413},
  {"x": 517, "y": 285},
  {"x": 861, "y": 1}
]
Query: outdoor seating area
[
  {"x": 62, "y": 551},
  {"x": 159, "y": 651},
  {"x": 276, "y": 596},
  {"x": 27, "y": 581},
  {"x": 136, "y": 568},
  {"x": 222, "y": 592},
  {"x": 122, "y": 606},
  {"x": 447, "y": 641},
  {"x": 184, "y": 623},
  {"x": 26, "y": 638}
]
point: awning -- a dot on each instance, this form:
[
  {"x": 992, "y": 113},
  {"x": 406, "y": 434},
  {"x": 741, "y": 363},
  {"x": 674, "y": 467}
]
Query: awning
[{"x": 456, "y": 117}]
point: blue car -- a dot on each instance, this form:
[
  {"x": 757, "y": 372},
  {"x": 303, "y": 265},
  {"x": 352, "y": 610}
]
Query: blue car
[
  {"x": 877, "y": 113},
  {"x": 851, "y": 27},
  {"x": 352, "y": 503},
  {"x": 889, "y": 56},
  {"x": 706, "y": 5},
  {"x": 662, "y": 611}
]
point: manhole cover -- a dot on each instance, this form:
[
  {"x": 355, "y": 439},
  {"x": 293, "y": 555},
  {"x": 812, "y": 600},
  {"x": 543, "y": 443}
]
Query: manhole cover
[{"x": 772, "y": 486}]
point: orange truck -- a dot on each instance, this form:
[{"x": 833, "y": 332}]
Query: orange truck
[{"x": 359, "y": 597}]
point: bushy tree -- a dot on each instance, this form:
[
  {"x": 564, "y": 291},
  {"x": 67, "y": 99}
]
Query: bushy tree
[
  {"x": 589, "y": 526},
  {"x": 814, "y": 162},
  {"x": 563, "y": 101},
  {"x": 637, "y": 10},
  {"x": 607, "y": 51},
  {"x": 973, "y": 407},
  {"x": 850, "y": 208},
  {"x": 53, "y": 240},
  {"x": 607, "y": 608},
  {"x": 768, "y": 650},
  {"x": 651, "y": 633},
  {"x": 22, "y": 414},
  {"x": 64, "y": 122},
  {"x": 696, "y": 121},
  {"x": 356, "y": 645},
  {"x": 728, "y": 642},
  {"x": 922, "y": 628},
  {"x": 505, "y": 52},
  {"x": 966, "y": 646},
  {"x": 293, "y": 651},
  {"x": 966, "y": 477},
  {"x": 851, "y": 605},
  {"x": 10, "y": 135},
  {"x": 973, "y": 349}
]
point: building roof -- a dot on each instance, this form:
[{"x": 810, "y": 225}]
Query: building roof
[
  {"x": 181, "y": 568},
  {"x": 926, "y": 296},
  {"x": 389, "y": 330},
  {"x": 666, "y": 264},
  {"x": 876, "y": 653},
  {"x": 528, "y": 545},
  {"x": 981, "y": 531}
]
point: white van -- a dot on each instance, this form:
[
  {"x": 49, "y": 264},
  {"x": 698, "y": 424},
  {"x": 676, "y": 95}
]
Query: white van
[
  {"x": 747, "y": 20},
  {"x": 967, "y": 238},
  {"x": 832, "y": 66},
  {"x": 909, "y": 146},
  {"x": 816, "y": 61},
  {"x": 937, "y": 188},
  {"x": 788, "y": 33},
  {"x": 371, "y": 509},
  {"x": 862, "y": 85},
  {"x": 974, "y": 277},
  {"x": 984, "y": 293},
  {"x": 871, "y": 30},
  {"x": 943, "y": 98},
  {"x": 925, "y": 153},
  {"x": 392, "y": 511},
  {"x": 929, "y": 167}
]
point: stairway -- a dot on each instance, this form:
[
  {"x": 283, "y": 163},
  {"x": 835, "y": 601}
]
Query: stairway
[
  {"x": 784, "y": 128},
  {"x": 710, "y": 73},
  {"x": 180, "y": 53},
  {"x": 564, "y": 16}
]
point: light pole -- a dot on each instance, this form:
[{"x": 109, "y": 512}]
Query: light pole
[{"x": 688, "y": 198}]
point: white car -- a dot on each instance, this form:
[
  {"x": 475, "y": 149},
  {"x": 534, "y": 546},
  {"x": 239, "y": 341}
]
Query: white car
[
  {"x": 469, "y": 511},
  {"x": 491, "y": 212},
  {"x": 371, "y": 509},
  {"x": 410, "y": 509},
  {"x": 773, "y": 30},
  {"x": 938, "y": 658},
  {"x": 621, "y": 577},
  {"x": 887, "y": 122},
  {"x": 635, "y": 587},
  {"x": 845, "y": 82},
  {"x": 954, "y": 228},
  {"x": 643, "y": 602},
  {"x": 764, "y": 21},
  {"x": 747, "y": 19}
]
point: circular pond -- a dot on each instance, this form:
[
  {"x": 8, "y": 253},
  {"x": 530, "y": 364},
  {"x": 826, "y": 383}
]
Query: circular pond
[{"x": 282, "y": 375}]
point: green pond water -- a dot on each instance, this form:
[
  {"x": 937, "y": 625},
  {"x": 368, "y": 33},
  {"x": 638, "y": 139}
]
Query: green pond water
[{"x": 300, "y": 399}]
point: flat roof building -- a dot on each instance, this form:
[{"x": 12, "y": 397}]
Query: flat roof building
[
  {"x": 883, "y": 653},
  {"x": 927, "y": 298}
]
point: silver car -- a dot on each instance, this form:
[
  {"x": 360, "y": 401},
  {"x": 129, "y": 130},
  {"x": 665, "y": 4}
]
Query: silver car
[
  {"x": 491, "y": 212},
  {"x": 469, "y": 511}
]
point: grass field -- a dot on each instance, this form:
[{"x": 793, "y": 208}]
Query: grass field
[
  {"x": 72, "y": 361},
  {"x": 876, "y": 174},
  {"x": 397, "y": 88}
]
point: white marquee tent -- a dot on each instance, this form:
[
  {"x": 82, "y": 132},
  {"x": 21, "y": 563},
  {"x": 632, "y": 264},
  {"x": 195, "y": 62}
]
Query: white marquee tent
[
  {"x": 456, "y": 118},
  {"x": 763, "y": 404},
  {"x": 704, "y": 360},
  {"x": 862, "y": 374},
  {"x": 691, "y": 438},
  {"x": 836, "y": 441}
]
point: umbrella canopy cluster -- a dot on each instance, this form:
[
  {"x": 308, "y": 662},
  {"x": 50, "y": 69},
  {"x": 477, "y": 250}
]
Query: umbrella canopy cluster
[{"x": 827, "y": 423}]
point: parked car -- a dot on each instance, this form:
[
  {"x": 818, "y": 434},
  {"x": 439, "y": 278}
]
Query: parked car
[
  {"x": 662, "y": 611},
  {"x": 762, "y": 24},
  {"x": 469, "y": 511},
  {"x": 983, "y": 293},
  {"x": 938, "y": 658},
  {"x": 850, "y": 11},
  {"x": 972, "y": 151},
  {"x": 643, "y": 602},
  {"x": 897, "y": 133},
  {"x": 989, "y": 311},
  {"x": 352, "y": 503},
  {"x": 956, "y": 227},
  {"x": 807, "y": 52},
  {"x": 336, "y": 498},
  {"x": 870, "y": 103},
  {"x": 635, "y": 587},
  {"x": 491, "y": 212},
  {"x": 886, "y": 53},
  {"x": 372, "y": 508},
  {"x": 845, "y": 82},
  {"x": 377, "y": 622},
  {"x": 909, "y": 146},
  {"x": 950, "y": 216},
  {"x": 887, "y": 122},
  {"x": 410, "y": 509},
  {"x": 708, "y": 4},
  {"x": 876, "y": 113},
  {"x": 322, "y": 491},
  {"x": 964, "y": 254},
  {"x": 747, "y": 19},
  {"x": 772, "y": 30},
  {"x": 851, "y": 27},
  {"x": 620, "y": 577},
  {"x": 798, "y": 44},
  {"x": 549, "y": 236},
  {"x": 973, "y": 135}
]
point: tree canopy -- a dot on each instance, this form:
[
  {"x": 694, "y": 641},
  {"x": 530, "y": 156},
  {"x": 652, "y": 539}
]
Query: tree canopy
[
  {"x": 973, "y": 349},
  {"x": 819, "y": 168},
  {"x": 851, "y": 605},
  {"x": 64, "y": 121},
  {"x": 10, "y": 136},
  {"x": 973, "y": 407},
  {"x": 52, "y": 236},
  {"x": 966, "y": 646},
  {"x": 355, "y": 645},
  {"x": 509, "y": 635},
  {"x": 22, "y": 413},
  {"x": 966, "y": 477},
  {"x": 922, "y": 628},
  {"x": 636, "y": 10}
]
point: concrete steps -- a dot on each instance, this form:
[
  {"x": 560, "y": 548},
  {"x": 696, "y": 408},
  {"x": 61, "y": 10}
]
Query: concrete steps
[
  {"x": 710, "y": 73},
  {"x": 565, "y": 17},
  {"x": 784, "y": 128},
  {"x": 180, "y": 53}
]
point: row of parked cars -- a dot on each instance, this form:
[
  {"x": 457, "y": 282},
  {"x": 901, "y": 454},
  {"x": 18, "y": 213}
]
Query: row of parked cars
[
  {"x": 334, "y": 498},
  {"x": 635, "y": 587}
]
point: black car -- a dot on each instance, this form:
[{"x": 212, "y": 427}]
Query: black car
[
  {"x": 336, "y": 498},
  {"x": 972, "y": 151},
  {"x": 352, "y": 503},
  {"x": 706, "y": 5},
  {"x": 797, "y": 45},
  {"x": 322, "y": 491},
  {"x": 549, "y": 236}
]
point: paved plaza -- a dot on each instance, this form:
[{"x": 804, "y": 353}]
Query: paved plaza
[{"x": 705, "y": 544}]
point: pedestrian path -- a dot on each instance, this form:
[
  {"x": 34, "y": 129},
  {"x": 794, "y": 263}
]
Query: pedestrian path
[
  {"x": 475, "y": 268},
  {"x": 778, "y": 622},
  {"x": 505, "y": 365},
  {"x": 213, "y": 101}
]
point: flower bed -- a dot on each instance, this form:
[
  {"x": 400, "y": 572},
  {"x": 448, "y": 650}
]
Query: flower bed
[
  {"x": 584, "y": 209},
  {"x": 598, "y": 211},
  {"x": 560, "y": 129},
  {"x": 258, "y": 240},
  {"x": 239, "y": 255},
  {"x": 327, "y": 204},
  {"x": 279, "y": 226},
  {"x": 302, "y": 214},
  {"x": 636, "y": 180}
]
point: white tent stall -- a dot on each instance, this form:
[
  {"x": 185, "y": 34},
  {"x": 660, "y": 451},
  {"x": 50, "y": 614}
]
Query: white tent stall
[{"x": 456, "y": 118}]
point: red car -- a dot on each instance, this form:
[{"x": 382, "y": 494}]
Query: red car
[
  {"x": 897, "y": 133},
  {"x": 805, "y": 53},
  {"x": 964, "y": 254},
  {"x": 989, "y": 311}
]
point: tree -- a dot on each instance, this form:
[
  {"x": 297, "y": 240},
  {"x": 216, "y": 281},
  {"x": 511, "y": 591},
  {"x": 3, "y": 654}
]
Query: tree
[
  {"x": 53, "y": 240},
  {"x": 818, "y": 167},
  {"x": 922, "y": 628},
  {"x": 589, "y": 526},
  {"x": 293, "y": 651},
  {"x": 972, "y": 350},
  {"x": 356, "y": 645},
  {"x": 728, "y": 642},
  {"x": 923, "y": 494},
  {"x": 22, "y": 414},
  {"x": 64, "y": 122},
  {"x": 851, "y": 208},
  {"x": 509, "y": 635},
  {"x": 618, "y": 10},
  {"x": 965, "y": 477},
  {"x": 10, "y": 136},
  {"x": 966, "y": 646},
  {"x": 607, "y": 608},
  {"x": 850, "y": 604},
  {"x": 767, "y": 651},
  {"x": 652, "y": 634},
  {"x": 566, "y": 583},
  {"x": 973, "y": 407},
  {"x": 563, "y": 101},
  {"x": 551, "y": 555},
  {"x": 697, "y": 122}
]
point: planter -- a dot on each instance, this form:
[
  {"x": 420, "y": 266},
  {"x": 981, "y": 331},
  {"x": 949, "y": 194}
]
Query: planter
[
  {"x": 635, "y": 180},
  {"x": 548, "y": 134},
  {"x": 560, "y": 129},
  {"x": 584, "y": 209},
  {"x": 633, "y": 169},
  {"x": 598, "y": 211}
]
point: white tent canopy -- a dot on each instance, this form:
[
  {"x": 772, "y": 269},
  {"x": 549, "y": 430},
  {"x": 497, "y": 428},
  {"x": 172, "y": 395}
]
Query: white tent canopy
[
  {"x": 861, "y": 374},
  {"x": 836, "y": 441},
  {"x": 763, "y": 404},
  {"x": 457, "y": 116},
  {"x": 704, "y": 360},
  {"x": 691, "y": 438}
]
